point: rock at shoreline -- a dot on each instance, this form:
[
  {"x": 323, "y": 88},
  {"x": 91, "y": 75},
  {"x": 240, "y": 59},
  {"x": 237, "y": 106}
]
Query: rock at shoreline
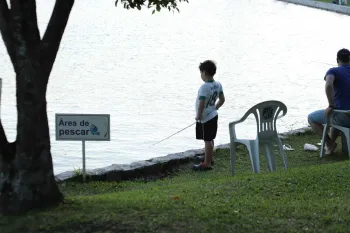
[{"x": 155, "y": 167}]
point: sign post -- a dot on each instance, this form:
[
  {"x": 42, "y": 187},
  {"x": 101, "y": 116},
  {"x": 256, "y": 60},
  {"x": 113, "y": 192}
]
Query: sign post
[
  {"x": 84, "y": 168},
  {"x": 82, "y": 127}
]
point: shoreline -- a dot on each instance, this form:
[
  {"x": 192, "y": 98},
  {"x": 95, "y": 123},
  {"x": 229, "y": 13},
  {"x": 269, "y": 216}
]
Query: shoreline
[
  {"x": 150, "y": 169},
  {"x": 340, "y": 9}
]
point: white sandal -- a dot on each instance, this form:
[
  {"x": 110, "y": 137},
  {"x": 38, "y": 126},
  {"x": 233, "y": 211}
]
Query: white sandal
[{"x": 287, "y": 147}]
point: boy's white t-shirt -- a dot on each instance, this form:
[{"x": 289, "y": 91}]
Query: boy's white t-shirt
[{"x": 209, "y": 91}]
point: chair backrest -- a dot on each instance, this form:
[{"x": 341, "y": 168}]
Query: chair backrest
[{"x": 266, "y": 114}]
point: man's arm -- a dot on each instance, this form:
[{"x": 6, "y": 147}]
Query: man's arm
[
  {"x": 221, "y": 100},
  {"x": 329, "y": 89}
]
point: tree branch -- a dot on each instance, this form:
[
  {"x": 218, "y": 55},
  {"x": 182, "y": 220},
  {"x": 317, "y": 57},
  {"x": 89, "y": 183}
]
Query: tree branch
[
  {"x": 54, "y": 32},
  {"x": 5, "y": 30},
  {"x": 19, "y": 43},
  {"x": 30, "y": 23}
]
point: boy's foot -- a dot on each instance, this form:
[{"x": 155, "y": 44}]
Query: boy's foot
[
  {"x": 201, "y": 159},
  {"x": 329, "y": 150},
  {"x": 201, "y": 167}
]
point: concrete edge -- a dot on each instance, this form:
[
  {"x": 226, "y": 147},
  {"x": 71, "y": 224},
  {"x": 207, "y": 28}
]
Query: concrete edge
[
  {"x": 150, "y": 169},
  {"x": 321, "y": 5}
]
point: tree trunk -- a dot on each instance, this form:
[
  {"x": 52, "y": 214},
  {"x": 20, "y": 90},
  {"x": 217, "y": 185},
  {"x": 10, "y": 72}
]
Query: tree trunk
[
  {"x": 26, "y": 171},
  {"x": 30, "y": 181}
]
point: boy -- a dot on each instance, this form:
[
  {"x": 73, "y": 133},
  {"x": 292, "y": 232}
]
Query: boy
[{"x": 206, "y": 109}]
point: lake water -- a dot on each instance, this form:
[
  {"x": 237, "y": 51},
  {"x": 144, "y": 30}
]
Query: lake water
[{"x": 142, "y": 69}]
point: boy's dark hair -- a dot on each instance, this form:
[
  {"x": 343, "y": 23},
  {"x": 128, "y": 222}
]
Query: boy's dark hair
[
  {"x": 209, "y": 67},
  {"x": 343, "y": 55}
]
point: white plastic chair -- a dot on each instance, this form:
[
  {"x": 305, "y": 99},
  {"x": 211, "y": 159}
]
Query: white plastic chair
[
  {"x": 345, "y": 134},
  {"x": 266, "y": 115}
]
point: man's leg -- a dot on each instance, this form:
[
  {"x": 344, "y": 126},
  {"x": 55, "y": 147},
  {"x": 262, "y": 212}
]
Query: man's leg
[
  {"x": 318, "y": 129},
  {"x": 334, "y": 134},
  {"x": 340, "y": 119},
  {"x": 316, "y": 120}
]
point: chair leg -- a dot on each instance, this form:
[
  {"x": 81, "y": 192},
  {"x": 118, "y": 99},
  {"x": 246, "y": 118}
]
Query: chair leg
[
  {"x": 282, "y": 152},
  {"x": 347, "y": 137},
  {"x": 344, "y": 143},
  {"x": 270, "y": 156},
  {"x": 253, "y": 149},
  {"x": 323, "y": 140},
  {"x": 233, "y": 156}
]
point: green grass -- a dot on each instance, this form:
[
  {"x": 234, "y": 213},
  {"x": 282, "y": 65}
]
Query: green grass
[
  {"x": 312, "y": 195},
  {"x": 330, "y": 1}
]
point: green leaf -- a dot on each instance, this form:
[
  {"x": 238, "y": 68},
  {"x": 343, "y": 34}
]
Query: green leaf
[{"x": 154, "y": 11}]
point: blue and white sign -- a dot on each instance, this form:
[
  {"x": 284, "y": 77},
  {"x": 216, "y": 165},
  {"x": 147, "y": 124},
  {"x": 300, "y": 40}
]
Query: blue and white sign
[{"x": 83, "y": 127}]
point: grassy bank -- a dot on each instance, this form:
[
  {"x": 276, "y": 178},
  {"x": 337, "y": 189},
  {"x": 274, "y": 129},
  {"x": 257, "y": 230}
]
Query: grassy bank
[
  {"x": 313, "y": 195},
  {"x": 331, "y": 1}
]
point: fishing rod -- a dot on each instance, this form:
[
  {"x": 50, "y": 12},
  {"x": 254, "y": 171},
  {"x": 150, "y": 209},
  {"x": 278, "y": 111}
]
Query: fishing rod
[
  {"x": 174, "y": 134},
  {"x": 177, "y": 132}
]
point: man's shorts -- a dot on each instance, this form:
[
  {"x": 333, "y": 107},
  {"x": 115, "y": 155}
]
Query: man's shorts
[
  {"x": 207, "y": 131},
  {"x": 337, "y": 118}
]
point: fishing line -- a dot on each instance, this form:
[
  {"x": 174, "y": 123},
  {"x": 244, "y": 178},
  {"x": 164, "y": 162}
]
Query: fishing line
[
  {"x": 174, "y": 134},
  {"x": 325, "y": 63},
  {"x": 177, "y": 132}
]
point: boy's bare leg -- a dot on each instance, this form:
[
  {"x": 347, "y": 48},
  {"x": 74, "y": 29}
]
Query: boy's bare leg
[
  {"x": 208, "y": 153},
  {"x": 213, "y": 149}
]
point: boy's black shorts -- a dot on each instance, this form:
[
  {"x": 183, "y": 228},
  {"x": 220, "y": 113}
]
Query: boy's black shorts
[{"x": 207, "y": 131}]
